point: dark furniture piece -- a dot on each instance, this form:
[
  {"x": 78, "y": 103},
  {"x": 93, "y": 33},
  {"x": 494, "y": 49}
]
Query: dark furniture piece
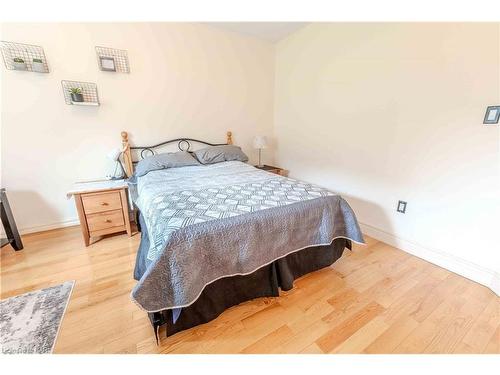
[{"x": 9, "y": 224}]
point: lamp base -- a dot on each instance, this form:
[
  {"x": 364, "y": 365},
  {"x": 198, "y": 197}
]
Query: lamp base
[
  {"x": 123, "y": 175},
  {"x": 260, "y": 165}
]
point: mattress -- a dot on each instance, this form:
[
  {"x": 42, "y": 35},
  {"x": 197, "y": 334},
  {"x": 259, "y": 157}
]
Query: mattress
[{"x": 209, "y": 222}]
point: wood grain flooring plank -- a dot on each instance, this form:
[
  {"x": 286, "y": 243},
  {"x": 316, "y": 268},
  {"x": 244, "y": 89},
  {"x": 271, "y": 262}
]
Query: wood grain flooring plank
[{"x": 375, "y": 299}]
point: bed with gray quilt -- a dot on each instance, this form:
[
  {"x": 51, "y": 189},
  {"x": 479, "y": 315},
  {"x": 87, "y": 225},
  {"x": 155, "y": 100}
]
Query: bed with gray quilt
[{"x": 213, "y": 236}]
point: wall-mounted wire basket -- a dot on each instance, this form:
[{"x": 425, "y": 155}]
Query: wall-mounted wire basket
[
  {"x": 112, "y": 59},
  {"x": 89, "y": 95},
  {"x": 25, "y": 57}
]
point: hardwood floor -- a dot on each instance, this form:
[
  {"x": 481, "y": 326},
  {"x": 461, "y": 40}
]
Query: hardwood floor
[{"x": 376, "y": 299}]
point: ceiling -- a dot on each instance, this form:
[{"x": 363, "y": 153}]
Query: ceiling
[{"x": 271, "y": 31}]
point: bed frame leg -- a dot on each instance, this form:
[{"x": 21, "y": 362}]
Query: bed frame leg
[{"x": 156, "y": 327}]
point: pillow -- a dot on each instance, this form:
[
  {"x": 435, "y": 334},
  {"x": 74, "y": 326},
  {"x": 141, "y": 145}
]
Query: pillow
[
  {"x": 217, "y": 154},
  {"x": 163, "y": 161}
]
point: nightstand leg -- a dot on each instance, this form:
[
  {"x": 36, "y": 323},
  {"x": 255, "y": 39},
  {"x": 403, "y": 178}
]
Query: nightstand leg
[
  {"x": 83, "y": 221},
  {"x": 123, "y": 194}
]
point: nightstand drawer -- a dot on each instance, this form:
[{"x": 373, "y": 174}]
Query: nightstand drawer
[
  {"x": 271, "y": 169},
  {"x": 105, "y": 220},
  {"x": 275, "y": 171},
  {"x": 101, "y": 202}
]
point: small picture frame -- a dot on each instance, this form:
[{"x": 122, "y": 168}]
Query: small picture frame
[
  {"x": 107, "y": 64},
  {"x": 492, "y": 115}
]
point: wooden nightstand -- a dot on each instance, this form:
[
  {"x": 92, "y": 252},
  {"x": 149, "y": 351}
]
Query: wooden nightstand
[
  {"x": 276, "y": 170},
  {"x": 102, "y": 208}
]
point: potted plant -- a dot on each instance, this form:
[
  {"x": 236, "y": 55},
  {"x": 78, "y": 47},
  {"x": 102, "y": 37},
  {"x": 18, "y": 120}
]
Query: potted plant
[
  {"x": 19, "y": 64},
  {"x": 38, "y": 66},
  {"x": 76, "y": 94}
]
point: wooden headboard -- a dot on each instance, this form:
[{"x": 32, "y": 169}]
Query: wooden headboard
[{"x": 184, "y": 144}]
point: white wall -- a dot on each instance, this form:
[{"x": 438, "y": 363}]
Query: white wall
[
  {"x": 187, "y": 80},
  {"x": 382, "y": 112},
  {"x": 377, "y": 112}
]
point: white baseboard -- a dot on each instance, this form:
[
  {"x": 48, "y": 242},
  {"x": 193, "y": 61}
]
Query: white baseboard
[
  {"x": 472, "y": 271},
  {"x": 43, "y": 228}
]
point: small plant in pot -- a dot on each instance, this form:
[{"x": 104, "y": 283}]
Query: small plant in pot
[
  {"x": 76, "y": 94},
  {"x": 19, "y": 64},
  {"x": 38, "y": 66}
]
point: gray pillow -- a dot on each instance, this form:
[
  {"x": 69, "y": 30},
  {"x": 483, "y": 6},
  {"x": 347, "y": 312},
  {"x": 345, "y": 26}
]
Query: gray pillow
[
  {"x": 163, "y": 161},
  {"x": 217, "y": 154}
]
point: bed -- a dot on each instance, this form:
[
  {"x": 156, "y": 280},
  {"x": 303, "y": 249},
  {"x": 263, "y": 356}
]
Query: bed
[{"x": 216, "y": 235}]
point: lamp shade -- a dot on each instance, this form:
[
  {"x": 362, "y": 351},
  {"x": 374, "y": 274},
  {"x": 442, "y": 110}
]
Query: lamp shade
[
  {"x": 260, "y": 141},
  {"x": 114, "y": 154}
]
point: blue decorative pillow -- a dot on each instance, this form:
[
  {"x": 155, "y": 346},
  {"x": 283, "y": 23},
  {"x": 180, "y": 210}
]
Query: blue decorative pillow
[
  {"x": 163, "y": 161},
  {"x": 217, "y": 154}
]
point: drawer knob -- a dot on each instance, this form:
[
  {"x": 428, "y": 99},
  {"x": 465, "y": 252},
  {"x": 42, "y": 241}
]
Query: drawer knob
[
  {"x": 104, "y": 204},
  {"x": 107, "y": 220}
]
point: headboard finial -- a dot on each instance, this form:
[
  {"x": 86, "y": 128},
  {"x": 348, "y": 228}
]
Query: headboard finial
[{"x": 229, "y": 138}]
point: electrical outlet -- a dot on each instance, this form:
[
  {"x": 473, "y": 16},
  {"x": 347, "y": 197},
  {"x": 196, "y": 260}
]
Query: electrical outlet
[{"x": 402, "y": 207}]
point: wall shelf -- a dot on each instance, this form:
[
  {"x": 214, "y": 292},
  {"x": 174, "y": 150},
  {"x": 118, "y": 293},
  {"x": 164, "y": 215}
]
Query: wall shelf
[
  {"x": 119, "y": 56},
  {"x": 89, "y": 92},
  {"x": 84, "y": 103},
  {"x": 26, "y": 52}
]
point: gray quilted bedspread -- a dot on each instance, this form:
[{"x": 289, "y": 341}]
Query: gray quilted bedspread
[{"x": 209, "y": 222}]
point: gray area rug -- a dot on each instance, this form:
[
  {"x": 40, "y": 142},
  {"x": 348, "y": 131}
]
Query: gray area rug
[{"x": 29, "y": 323}]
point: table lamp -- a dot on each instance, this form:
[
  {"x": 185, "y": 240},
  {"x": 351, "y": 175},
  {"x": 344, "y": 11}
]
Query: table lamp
[
  {"x": 260, "y": 142},
  {"x": 114, "y": 155}
]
